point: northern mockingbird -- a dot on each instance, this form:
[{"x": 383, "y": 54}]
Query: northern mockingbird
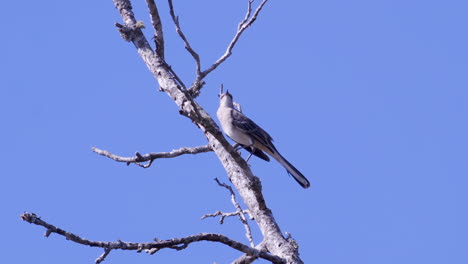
[{"x": 252, "y": 137}]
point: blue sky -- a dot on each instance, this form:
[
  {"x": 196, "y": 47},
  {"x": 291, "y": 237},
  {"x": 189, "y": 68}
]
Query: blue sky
[{"x": 368, "y": 98}]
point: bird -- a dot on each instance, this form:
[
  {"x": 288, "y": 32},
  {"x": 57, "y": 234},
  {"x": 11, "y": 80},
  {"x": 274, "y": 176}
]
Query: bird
[{"x": 247, "y": 134}]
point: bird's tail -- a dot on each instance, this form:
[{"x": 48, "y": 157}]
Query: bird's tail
[{"x": 301, "y": 179}]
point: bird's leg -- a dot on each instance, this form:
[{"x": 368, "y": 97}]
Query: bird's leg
[
  {"x": 252, "y": 148},
  {"x": 237, "y": 146},
  {"x": 251, "y": 153}
]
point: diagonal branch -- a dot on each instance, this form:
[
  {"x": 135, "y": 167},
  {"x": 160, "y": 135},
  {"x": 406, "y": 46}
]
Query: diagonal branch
[
  {"x": 103, "y": 255},
  {"x": 189, "y": 48},
  {"x": 159, "y": 36},
  {"x": 246, "y": 259},
  {"x": 243, "y": 25},
  {"x": 157, "y": 25},
  {"x": 240, "y": 212},
  {"x": 175, "y": 243},
  {"x": 176, "y": 77},
  {"x": 150, "y": 157}
]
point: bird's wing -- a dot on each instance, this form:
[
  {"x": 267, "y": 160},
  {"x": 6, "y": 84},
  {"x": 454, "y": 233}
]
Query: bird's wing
[{"x": 249, "y": 127}]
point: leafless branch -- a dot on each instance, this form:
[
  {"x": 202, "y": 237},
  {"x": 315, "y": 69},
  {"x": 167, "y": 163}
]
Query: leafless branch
[
  {"x": 189, "y": 48},
  {"x": 176, "y": 77},
  {"x": 243, "y": 25},
  {"x": 246, "y": 259},
  {"x": 224, "y": 215},
  {"x": 150, "y": 157},
  {"x": 175, "y": 243},
  {"x": 103, "y": 255},
  {"x": 157, "y": 25},
  {"x": 159, "y": 37},
  {"x": 240, "y": 212},
  {"x": 247, "y": 14}
]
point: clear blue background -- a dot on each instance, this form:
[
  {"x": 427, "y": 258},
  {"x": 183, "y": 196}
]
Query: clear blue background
[{"x": 367, "y": 98}]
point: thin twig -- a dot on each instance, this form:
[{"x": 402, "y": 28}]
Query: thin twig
[
  {"x": 103, "y": 256},
  {"x": 247, "y": 14},
  {"x": 189, "y": 48},
  {"x": 224, "y": 215},
  {"x": 248, "y": 231},
  {"x": 157, "y": 25},
  {"x": 175, "y": 243},
  {"x": 150, "y": 157}
]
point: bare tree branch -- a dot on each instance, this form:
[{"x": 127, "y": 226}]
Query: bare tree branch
[
  {"x": 189, "y": 48},
  {"x": 150, "y": 157},
  {"x": 246, "y": 259},
  {"x": 103, "y": 255},
  {"x": 175, "y": 243},
  {"x": 240, "y": 212},
  {"x": 243, "y": 25},
  {"x": 176, "y": 77},
  {"x": 157, "y": 25},
  {"x": 224, "y": 215}
]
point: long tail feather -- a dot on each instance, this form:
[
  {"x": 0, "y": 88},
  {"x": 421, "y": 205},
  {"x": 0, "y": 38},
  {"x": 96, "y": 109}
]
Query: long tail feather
[{"x": 297, "y": 175}]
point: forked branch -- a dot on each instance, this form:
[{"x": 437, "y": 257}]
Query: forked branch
[
  {"x": 200, "y": 75},
  {"x": 150, "y": 247},
  {"x": 243, "y": 25},
  {"x": 240, "y": 212}
]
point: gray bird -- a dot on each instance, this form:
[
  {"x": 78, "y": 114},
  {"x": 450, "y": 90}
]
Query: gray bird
[{"x": 252, "y": 137}]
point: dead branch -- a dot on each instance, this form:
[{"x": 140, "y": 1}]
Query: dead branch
[
  {"x": 189, "y": 48},
  {"x": 159, "y": 36},
  {"x": 175, "y": 243},
  {"x": 150, "y": 157},
  {"x": 246, "y": 259},
  {"x": 103, "y": 255},
  {"x": 224, "y": 215},
  {"x": 157, "y": 25},
  {"x": 243, "y": 25},
  {"x": 240, "y": 212}
]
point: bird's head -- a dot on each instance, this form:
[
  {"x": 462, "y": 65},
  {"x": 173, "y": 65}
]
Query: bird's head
[{"x": 225, "y": 98}]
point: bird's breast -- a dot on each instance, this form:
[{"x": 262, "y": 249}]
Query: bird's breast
[{"x": 225, "y": 118}]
